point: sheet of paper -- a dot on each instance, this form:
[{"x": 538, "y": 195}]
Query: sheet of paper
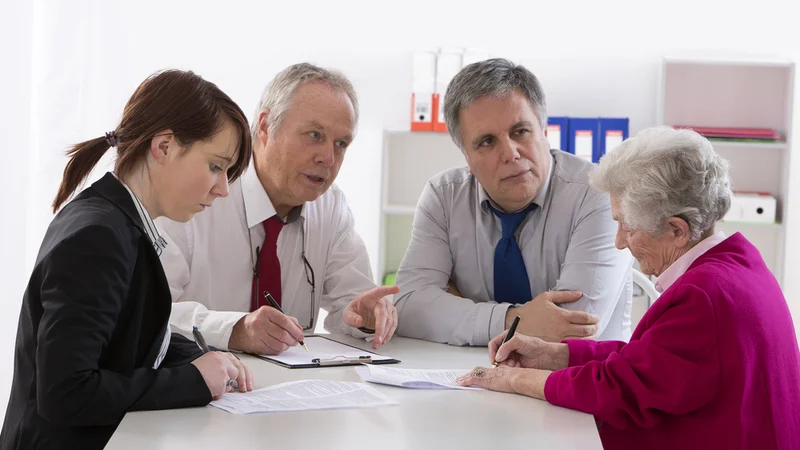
[
  {"x": 323, "y": 349},
  {"x": 413, "y": 378},
  {"x": 304, "y": 395}
]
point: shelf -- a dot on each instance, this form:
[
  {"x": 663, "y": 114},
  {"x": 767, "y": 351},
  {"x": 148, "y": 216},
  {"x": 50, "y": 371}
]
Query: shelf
[
  {"x": 727, "y": 60},
  {"x": 399, "y": 210},
  {"x": 418, "y": 133},
  {"x": 755, "y": 225},
  {"x": 748, "y": 145}
]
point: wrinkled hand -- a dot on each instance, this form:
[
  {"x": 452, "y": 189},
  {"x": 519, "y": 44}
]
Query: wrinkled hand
[
  {"x": 543, "y": 318},
  {"x": 374, "y": 311},
  {"x": 515, "y": 380},
  {"x": 219, "y": 368},
  {"x": 528, "y": 352},
  {"x": 265, "y": 331}
]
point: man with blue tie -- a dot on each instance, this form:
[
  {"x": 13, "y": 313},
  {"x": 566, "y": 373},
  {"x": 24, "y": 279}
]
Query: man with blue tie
[{"x": 517, "y": 232}]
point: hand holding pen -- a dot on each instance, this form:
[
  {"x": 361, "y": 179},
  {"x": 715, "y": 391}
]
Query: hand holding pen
[
  {"x": 222, "y": 371},
  {"x": 265, "y": 331},
  {"x": 275, "y": 305}
]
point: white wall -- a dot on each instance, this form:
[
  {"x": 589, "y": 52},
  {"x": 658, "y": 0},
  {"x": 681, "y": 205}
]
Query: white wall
[
  {"x": 81, "y": 60},
  {"x": 15, "y": 27}
]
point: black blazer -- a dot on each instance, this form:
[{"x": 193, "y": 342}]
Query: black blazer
[{"x": 91, "y": 326}]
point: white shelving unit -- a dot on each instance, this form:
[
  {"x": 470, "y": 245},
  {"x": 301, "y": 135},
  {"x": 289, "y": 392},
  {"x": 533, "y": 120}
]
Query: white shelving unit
[
  {"x": 746, "y": 92},
  {"x": 410, "y": 159}
]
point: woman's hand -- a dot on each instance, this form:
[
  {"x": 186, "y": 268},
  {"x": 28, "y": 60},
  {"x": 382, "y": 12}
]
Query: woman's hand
[
  {"x": 515, "y": 380},
  {"x": 528, "y": 352}
]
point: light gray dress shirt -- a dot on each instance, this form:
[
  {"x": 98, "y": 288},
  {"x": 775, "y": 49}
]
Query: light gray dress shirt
[{"x": 567, "y": 243}]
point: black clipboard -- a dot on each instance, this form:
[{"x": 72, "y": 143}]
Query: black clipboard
[{"x": 336, "y": 362}]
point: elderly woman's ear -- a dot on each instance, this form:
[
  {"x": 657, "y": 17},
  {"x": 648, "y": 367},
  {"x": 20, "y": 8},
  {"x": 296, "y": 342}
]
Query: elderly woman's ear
[{"x": 679, "y": 230}]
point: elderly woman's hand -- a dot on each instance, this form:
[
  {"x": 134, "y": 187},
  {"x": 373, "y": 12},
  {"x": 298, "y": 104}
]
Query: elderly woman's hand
[
  {"x": 528, "y": 352},
  {"x": 515, "y": 380}
]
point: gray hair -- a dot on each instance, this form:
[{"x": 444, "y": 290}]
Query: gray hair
[
  {"x": 493, "y": 77},
  {"x": 277, "y": 96},
  {"x": 662, "y": 173}
]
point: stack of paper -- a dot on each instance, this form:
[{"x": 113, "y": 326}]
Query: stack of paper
[
  {"x": 413, "y": 378},
  {"x": 305, "y": 395}
]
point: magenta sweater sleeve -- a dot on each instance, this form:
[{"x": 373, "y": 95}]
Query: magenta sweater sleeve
[
  {"x": 581, "y": 351},
  {"x": 672, "y": 368}
]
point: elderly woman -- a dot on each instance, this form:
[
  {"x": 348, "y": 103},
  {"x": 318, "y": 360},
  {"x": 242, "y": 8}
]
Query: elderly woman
[{"x": 714, "y": 363}]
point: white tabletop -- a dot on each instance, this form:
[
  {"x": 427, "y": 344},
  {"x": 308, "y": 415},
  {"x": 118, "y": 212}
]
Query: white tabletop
[{"x": 423, "y": 419}]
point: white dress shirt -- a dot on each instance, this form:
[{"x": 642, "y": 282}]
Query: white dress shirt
[
  {"x": 209, "y": 262},
  {"x": 159, "y": 244}
]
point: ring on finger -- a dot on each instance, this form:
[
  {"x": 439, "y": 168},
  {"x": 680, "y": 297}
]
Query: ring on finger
[{"x": 479, "y": 373}]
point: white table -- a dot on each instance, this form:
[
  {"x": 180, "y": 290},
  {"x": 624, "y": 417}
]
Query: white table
[{"x": 441, "y": 419}]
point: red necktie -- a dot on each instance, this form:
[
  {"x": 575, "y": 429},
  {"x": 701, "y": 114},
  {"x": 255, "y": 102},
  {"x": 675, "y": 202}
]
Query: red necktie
[{"x": 269, "y": 268}]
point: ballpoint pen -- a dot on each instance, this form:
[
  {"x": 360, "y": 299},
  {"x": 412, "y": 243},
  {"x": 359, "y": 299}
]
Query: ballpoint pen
[
  {"x": 201, "y": 342},
  {"x": 510, "y": 334},
  {"x": 275, "y": 305}
]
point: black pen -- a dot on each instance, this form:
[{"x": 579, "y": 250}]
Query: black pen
[
  {"x": 201, "y": 342},
  {"x": 510, "y": 334},
  {"x": 275, "y": 305},
  {"x": 198, "y": 339}
]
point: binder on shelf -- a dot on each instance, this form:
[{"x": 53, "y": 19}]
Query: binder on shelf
[
  {"x": 421, "y": 112},
  {"x": 612, "y": 132},
  {"x": 584, "y": 138},
  {"x": 473, "y": 55},
  {"x": 448, "y": 64},
  {"x": 558, "y": 133},
  {"x": 752, "y": 207},
  {"x": 423, "y": 86}
]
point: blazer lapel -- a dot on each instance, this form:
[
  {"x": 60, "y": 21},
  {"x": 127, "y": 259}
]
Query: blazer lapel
[{"x": 112, "y": 190}]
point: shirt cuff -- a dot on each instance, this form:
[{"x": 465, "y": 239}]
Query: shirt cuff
[
  {"x": 217, "y": 327},
  {"x": 356, "y": 333},
  {"x": 490, "y": 322}
]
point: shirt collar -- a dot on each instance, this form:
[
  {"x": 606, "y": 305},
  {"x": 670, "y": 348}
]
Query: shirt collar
[
  {"x": 257, "y": 205},
  {"x": 679, "y": 267},
  {"x": 485, "y": 200},
  {"x": 150, "y": 229}
]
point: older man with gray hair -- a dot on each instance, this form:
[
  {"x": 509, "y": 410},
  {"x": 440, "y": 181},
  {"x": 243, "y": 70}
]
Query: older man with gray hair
[
  {"x": 284, "y": 230},
  {"x": 519, "y": 232}
]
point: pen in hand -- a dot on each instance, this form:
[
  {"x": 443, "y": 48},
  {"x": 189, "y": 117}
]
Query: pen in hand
[
  {"x": 198, "y": 339},
  {"x": 510, "y": 334},
  {"x": 275, "y": 305},
  {"x": 201, "y": 342}
]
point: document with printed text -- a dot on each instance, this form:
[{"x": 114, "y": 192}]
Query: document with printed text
[
  {"x": 305, "y": 395},
  {"x": 413, "y": 378}
]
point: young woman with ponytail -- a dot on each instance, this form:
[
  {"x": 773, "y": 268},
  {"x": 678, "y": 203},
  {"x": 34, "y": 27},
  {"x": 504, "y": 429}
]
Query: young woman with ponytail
[{"x": 93, "y": 340}]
